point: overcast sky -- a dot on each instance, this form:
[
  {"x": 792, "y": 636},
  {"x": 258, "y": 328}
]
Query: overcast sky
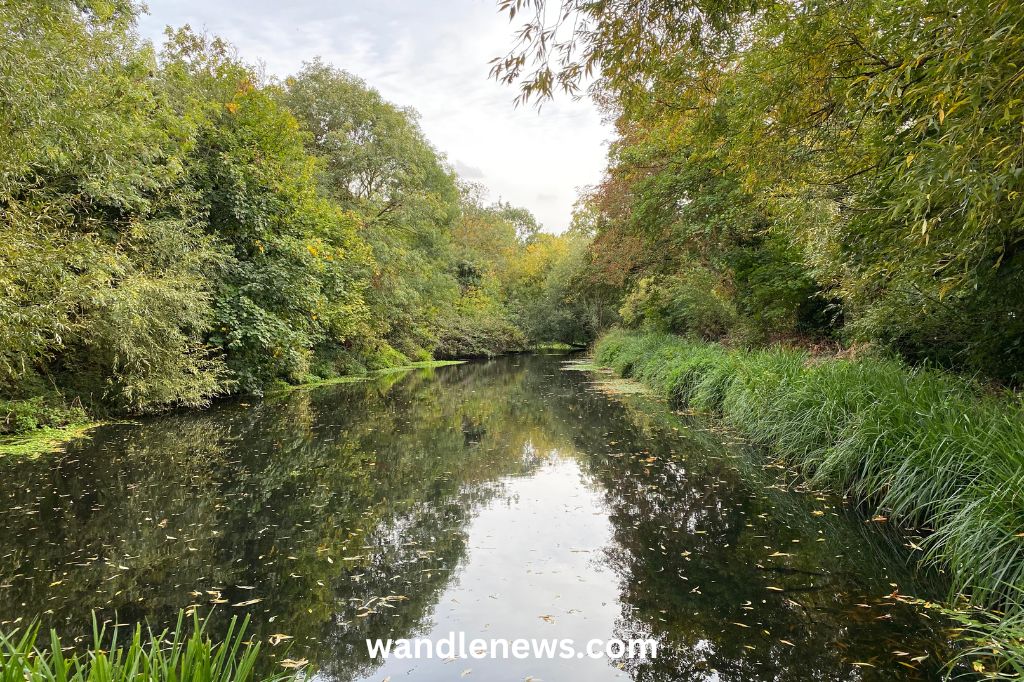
[{"x": 432, "y": 56}]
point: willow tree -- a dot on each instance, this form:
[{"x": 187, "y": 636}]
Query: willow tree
[{"x": 102, "y": 255}]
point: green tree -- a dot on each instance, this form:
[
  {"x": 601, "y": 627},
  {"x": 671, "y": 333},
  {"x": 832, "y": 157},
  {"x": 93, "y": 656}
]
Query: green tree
[
  {"x": 297, "y": 267},
  {"x": 377, "y": 163},
  {"x": 876, "y": 143},
  {"x": 101, "y": 252}
]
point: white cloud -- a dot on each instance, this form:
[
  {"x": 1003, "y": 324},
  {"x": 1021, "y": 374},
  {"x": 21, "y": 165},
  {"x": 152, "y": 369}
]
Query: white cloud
[
  {"x": 468, "y": 172},
  {"x": 432, "y": 56}
]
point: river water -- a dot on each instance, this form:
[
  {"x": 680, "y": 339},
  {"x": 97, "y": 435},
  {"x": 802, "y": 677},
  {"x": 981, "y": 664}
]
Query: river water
[{"x": 509, "y": 499}]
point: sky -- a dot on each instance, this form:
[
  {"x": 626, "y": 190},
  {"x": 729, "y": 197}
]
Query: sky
[{"x": 431, "y": 55}]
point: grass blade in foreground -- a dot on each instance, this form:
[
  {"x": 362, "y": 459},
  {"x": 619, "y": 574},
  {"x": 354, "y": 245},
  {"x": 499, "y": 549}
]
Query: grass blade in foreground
[{"x": 171, "y": 656}]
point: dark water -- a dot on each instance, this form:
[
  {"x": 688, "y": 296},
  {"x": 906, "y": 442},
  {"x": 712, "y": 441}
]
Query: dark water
[{"x": 504, "y": 499}]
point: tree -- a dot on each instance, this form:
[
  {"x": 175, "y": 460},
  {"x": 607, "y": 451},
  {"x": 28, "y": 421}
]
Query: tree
[
  {"x": 101, "y": 252},
  {"x": 377, "y": 163},
  {"x": 876, "y": 144},
  {"x": 298, "y": 268}
]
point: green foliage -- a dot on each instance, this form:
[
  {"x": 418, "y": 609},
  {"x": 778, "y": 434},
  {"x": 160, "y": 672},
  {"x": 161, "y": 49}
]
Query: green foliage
[
  {"x": 518, "y": 285},
  {"x": 376, "y": 163},
  {"x": 165, "y": 657},
  {"x": 175, "y": 228},
  {"x": 23, "y": 416},
  {"x": 924, "y": 448},
  {"x": 103, "y": 261},
  {"x": 478, "y": 337},
  {"x": 297, "y": 268},
  {"x": 850, "y": 168},
  {"x": 689, "y": 303}
]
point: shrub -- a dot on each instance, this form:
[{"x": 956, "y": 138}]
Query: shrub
[
  {"x": 24, "y": 416},
  {"x": 691, "y": 302}
]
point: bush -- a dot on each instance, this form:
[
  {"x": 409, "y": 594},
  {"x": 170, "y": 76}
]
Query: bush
[
  {"x": 479, "y": 337},
  {"x": 24, "y": 416},
  {"x": 384, "y": 356},
  {"x": 691, "y": 302}
]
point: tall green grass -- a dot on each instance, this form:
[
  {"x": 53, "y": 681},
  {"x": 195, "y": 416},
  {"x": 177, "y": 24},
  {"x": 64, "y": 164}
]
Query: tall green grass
[
  {"x": 925, "y": 448},
  {"x": 171, "y": 656}
]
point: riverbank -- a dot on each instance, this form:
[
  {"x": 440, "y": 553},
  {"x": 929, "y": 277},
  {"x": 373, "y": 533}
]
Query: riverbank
[
  {"x": 923, "y": 449},
  {"x": 44, "y": 438},
  {"x": 348, "y": 379}
]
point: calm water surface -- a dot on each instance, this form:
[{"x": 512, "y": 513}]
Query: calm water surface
[{"x": 506, "y": 499}]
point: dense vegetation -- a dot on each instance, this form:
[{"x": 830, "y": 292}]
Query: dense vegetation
[
  {"x": 175, "y": 225},
  {"x": 919, "y": 448},
  {"x": 825, "y": 170}
]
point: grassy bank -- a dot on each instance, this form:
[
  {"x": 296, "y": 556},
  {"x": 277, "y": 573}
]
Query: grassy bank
[
  {"x": 925, "y": 449},
  {"x": 41, "y": 424},
  {"x": 185, "y": 654}
]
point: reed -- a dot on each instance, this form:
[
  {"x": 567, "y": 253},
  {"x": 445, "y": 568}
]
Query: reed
[{"x": 183, "y": 654}]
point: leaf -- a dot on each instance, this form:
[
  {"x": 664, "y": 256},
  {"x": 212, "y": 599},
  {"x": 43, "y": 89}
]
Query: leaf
[{"x": 248, "y": 603}]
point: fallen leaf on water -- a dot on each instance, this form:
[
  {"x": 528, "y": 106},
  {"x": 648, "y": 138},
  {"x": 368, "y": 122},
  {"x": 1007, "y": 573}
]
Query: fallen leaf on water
[
  {"x": 248, "y": 603},
  {"x": 293, "y": 663}
]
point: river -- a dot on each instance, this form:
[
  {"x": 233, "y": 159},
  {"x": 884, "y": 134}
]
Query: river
[{"x": 513, "y": 498}]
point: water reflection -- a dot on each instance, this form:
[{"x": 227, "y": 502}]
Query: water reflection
[{"x": 506, "y": 499}]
